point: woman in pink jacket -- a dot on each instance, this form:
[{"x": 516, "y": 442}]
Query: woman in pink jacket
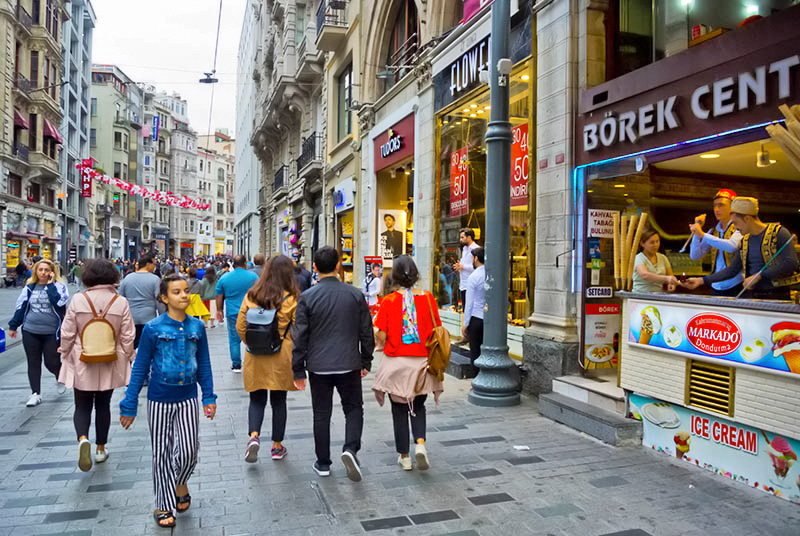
[{"x": 94, "y": 383}]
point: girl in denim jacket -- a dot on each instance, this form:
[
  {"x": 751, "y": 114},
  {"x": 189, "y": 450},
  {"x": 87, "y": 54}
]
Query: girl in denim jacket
[{"x": 173, "y": 350}]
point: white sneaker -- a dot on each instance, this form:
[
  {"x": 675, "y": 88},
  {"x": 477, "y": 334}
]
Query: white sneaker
[
  {"x": 60, "y": 387},
  {"x": 101, "y": 456},
  {"x": 351, "y": 465},
  {"x": 421, "y": 453},
  {"x": 34, "y": 400},
  {"x": 84, "y": 455},
  {"x": 405, "y": 463}
]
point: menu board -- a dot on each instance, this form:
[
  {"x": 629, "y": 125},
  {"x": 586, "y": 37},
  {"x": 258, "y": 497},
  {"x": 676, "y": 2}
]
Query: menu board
[{"x": 459, "y": 183}]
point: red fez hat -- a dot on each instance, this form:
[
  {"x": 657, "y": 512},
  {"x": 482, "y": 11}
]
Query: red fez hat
[{"x": 727, "y": 194}]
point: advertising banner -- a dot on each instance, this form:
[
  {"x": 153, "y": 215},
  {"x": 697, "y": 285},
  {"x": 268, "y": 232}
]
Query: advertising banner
[
  {"x": 602, "y": 333},
  {"x": 746, "y": 338},
  {"x": 519, "y": 166},
  {"x": 459, "y": 183},
  {"x": 755, "y": 457},
  {"x": 601, "y": 223}
]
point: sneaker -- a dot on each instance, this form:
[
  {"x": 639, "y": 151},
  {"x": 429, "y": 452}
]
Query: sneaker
[
  {"x": 84, "y": 455},
  {"x": 34, "y": 400},
  {"x": 405, "y": 463},
  {"x": 236, "y": 368},
  {"x": 60, "y": 388},
  {"x": 421, "y": 453},
  {"x": 322, "y": 470},
  {"x": 351, "y": 465},
  {"x": 100, "y": 456},
  {"x": 251, "y": 452},
  {"x": 278, "y": 453}
]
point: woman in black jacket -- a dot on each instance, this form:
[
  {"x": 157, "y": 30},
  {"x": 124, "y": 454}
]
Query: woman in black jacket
[{"x": 39, "y": 311}]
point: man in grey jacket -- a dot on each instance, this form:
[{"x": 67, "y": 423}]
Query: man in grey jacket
[
  {"x": 141, "y": 290},
  {"x": 333, "y": 341}
]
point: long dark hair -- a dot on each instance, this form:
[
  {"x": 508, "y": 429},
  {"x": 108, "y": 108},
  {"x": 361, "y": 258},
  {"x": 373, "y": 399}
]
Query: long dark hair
[
  {"x": 211, "y": 274},
  {"x": 276, "y": 278}
]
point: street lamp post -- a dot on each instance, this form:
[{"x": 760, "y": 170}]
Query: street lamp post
[{"x": 495, "y": 385}]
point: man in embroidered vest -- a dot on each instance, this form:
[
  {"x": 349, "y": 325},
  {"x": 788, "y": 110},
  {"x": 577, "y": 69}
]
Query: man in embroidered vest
[
  {"x": 760, "y": 243},
  {"x": 723, "y": 243}
]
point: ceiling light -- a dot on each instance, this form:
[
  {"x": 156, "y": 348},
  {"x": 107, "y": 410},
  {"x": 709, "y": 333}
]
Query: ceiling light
[
  {"x": 751, "y": 9},
  {"x": 473, "y": 115},
  {"x": 619, "y": 186},
  {"x": 773, "y": 161},
  {"x": 486, "y": 107},
  {"x": 473, "y": 105},
  {"x": 525, "y": 77},
  {"x": 625, "y": 195},
  {"x": 480, "y": 111},
  {"x": 590, "y": 191},
  {"x": 465, "y": 110},
  {"x": 709, "y": 155}
]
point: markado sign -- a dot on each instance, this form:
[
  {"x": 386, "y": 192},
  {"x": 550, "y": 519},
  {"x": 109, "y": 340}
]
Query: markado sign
[{"x": 706, "y": 102}]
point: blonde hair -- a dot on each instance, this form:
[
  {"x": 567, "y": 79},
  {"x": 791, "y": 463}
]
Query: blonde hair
[{"x": 55, "y": 268}]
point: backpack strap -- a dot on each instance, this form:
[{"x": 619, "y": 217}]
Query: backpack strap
[
  {"x": 430, "y": 308},
  {"x": 94, "y": 311}
]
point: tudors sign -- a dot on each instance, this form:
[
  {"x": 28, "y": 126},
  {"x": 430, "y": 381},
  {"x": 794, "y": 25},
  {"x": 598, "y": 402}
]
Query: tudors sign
[{"x": 394, "y": 144}]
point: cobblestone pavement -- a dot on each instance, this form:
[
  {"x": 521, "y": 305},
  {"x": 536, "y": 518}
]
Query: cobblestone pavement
[{"x": 478, "y": 484}]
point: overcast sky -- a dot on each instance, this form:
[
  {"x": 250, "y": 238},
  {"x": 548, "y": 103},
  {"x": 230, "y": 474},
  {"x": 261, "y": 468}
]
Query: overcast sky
[{"x": 170, "y": 44}]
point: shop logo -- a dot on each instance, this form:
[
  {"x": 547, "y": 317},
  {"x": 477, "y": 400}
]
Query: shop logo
[
  {"x": 465, "y": 71},
  {"x": 394, "y": 144},
  {"x": 713, "y": 333}
]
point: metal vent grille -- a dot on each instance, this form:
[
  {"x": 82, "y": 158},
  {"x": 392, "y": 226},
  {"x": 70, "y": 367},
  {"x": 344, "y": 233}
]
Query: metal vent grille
[{"x": 709, "y": 387}]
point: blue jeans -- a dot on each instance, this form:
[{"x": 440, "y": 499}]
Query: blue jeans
[{"x": 234, "y": 342}]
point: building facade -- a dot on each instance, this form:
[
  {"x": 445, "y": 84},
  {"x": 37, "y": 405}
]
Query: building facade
[
  {"x": 30, "y": 138},
  {"x": 216, "y": 182},
  {"x": 75, "y": 125},
  {"x": 248, "y": 229}
]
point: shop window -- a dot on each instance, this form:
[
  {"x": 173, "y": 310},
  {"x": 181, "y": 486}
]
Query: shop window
[
  {"x": 461, "y": 171},
  {"x": 344, "y": 96},
  {"x": 403, "y": 42},
  {"x": 644, "y": 31}
]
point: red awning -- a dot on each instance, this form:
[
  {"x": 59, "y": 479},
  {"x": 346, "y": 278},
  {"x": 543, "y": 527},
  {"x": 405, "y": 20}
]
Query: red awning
[
  {"x": 52, "y": 132},
  {"x": 20, "y": 121}
]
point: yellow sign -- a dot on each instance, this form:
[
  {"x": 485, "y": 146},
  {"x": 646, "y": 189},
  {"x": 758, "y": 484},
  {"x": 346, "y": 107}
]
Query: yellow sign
[{"x": 12, "y": 253}]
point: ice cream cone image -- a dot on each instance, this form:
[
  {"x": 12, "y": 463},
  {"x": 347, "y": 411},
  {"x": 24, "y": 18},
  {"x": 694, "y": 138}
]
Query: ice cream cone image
[
  {"x": 793, "y": 360},
  {"x": 781, "y": 454},
  {"x": 682, "y": 441},
  {"x": 651, "y": 324}
]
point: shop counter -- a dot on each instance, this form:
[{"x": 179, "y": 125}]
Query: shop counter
[{"x": 716, "y": 382}]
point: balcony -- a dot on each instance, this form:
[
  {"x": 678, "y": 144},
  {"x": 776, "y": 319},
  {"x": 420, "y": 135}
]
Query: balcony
[
  {"x": 24, "y": 19},
  {"x": 309, "y": 61},
  {"x": 21, "y": 152},
  {"x": 310, "y": 155},
  {"x": 23, "y": 85},
  {"x": 331, "y": 24},
  {"x": 48, "y": 166},
  {"x": 281, "y": 179}
]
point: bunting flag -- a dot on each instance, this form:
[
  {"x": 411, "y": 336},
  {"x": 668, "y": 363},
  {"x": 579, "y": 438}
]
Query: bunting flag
[{"x": 168, "y": 198}]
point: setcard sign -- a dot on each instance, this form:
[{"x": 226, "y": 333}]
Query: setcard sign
[
  {"x": 755, "y": 457},
  {"x": 765, "y": 339}
]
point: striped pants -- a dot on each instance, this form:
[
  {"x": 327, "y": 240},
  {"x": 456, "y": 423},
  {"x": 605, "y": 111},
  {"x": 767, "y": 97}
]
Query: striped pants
[{"x": 174, "y": 439}]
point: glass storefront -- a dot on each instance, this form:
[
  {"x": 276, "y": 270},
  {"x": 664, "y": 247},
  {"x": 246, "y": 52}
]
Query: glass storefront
[
  {"x": 346, "y": 232},
  {"x": 461, "y": 163}
]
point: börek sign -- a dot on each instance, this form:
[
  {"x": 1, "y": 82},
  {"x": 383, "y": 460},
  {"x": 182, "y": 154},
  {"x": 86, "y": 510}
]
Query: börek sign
[{"x": 707, "y": 101}]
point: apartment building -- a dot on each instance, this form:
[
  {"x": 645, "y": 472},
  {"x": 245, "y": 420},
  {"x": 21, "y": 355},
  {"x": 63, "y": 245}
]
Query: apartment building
[
  {"x": 216, "y": 185},
  {"x": 30, "y": 144}
]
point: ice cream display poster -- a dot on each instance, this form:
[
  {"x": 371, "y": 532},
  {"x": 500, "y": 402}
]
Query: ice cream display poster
[
  {"x": 753, "y": 338},
  {"x": 755, "y": 457}
]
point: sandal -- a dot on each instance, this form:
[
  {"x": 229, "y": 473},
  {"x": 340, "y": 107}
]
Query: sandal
[
  {"x": 184, "y": 500},
  {"x": 164, "y": 516}
]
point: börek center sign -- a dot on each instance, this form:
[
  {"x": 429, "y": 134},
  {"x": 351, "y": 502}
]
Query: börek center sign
[{"x": 729, "y": 83}]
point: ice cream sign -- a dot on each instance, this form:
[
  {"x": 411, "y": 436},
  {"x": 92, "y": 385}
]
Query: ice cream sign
[
  {"x": 724, "y": 433},
  {"x": 761, "y": 339}
]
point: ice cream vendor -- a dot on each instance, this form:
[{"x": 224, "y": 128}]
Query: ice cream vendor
[
  {"x": 722, "y": 241},
  {"x": 760, "y": 243}
]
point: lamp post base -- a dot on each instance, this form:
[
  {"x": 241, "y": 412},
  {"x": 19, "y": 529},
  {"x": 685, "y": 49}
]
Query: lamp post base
[{"x": 495, "y": 385}]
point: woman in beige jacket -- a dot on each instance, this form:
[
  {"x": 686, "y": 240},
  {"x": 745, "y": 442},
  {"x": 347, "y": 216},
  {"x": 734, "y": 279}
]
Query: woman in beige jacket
[
  {"x": 94, "y": 383},
  {"x": 269, "y": 376}
]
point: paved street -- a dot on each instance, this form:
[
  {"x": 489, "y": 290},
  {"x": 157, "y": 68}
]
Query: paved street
[{"x": 478, "y": 484}]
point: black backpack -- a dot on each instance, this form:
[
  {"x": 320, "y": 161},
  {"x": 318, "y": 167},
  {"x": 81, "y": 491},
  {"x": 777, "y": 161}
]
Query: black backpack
[{"x": 261, "y": 334}]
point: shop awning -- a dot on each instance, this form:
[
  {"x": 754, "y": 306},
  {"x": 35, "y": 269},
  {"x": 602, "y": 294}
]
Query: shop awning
[
  {"x": 20, "y": 121},
  {"x": 52, "y": 132}
]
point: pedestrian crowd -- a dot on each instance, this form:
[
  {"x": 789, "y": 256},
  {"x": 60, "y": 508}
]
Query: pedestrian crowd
[{"x": 143, "y": 323}]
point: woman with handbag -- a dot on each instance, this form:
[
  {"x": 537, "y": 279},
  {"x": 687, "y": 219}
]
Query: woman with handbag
[
  {"x": 269, "y": 375},
  {"x": 406, "y": 319},
  {"x": 94, "y": 382}
]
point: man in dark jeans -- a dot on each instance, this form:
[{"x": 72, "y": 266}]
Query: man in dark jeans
[{"x": 333, "y": 341}]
